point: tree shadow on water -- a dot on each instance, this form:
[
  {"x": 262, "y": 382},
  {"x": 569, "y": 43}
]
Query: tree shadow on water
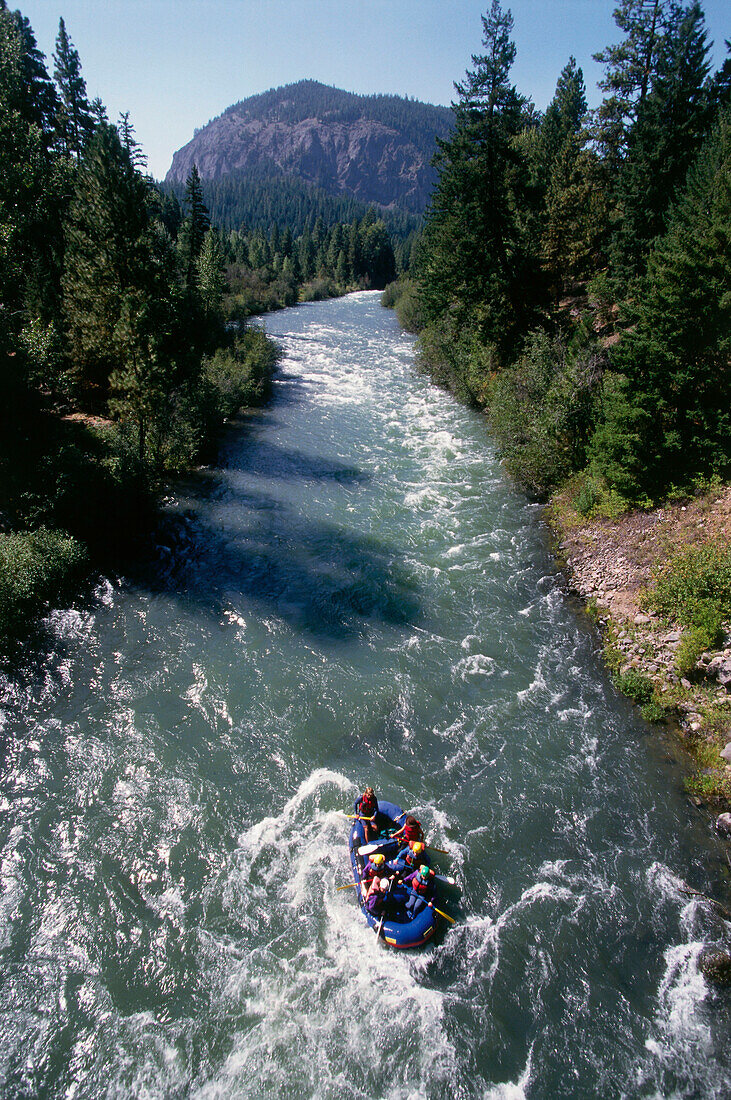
[
  {"x": 260, "y": 553},
  {"x": 263, "y": 458}
]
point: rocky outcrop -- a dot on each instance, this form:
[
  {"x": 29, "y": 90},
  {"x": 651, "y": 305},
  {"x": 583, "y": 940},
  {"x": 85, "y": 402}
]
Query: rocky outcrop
[
  {"x": 608, "y": 563},
  {"x": 716, "y": 967},
  {"x": 346, "y": 150}
]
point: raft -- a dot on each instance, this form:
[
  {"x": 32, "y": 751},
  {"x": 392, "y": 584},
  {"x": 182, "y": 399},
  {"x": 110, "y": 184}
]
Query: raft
[{"x": 398, "y": 930}]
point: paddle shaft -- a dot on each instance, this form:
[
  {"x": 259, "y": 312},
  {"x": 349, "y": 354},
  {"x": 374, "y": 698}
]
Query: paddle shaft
[
  {"x": 383, "y": 914},
  {"x": 441, "y": 914}
]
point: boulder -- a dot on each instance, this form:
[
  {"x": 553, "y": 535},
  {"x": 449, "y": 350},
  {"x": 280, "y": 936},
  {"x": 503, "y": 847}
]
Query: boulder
[
  {"x": 723, "y": 824},
  {"x": 726, "y": 752},
  {"x": 715, "y": 966}
]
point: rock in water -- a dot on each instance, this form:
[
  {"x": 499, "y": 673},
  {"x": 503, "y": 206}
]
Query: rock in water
[{"x": 715, "y": 966}]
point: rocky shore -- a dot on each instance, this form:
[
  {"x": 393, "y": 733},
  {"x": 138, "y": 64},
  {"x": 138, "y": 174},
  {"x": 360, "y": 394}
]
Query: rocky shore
[{"x": 608, "y": 563}]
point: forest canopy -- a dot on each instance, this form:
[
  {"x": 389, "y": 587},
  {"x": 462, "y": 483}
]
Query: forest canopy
[{"x": 574, "y": 274}]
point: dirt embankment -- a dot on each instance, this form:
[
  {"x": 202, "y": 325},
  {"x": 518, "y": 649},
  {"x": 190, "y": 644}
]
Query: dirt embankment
[{"x": 608, "y": 563}]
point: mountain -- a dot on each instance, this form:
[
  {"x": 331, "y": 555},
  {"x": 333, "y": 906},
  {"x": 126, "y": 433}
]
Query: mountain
[{"x": 374, "y": 149}]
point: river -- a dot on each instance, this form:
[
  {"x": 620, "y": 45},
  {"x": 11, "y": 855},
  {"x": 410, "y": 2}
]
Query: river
[{"x": 354, "y": 595}]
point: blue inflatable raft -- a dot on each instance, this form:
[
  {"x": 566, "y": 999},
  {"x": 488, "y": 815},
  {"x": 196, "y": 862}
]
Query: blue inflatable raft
[{"x": 398, "y": 929}]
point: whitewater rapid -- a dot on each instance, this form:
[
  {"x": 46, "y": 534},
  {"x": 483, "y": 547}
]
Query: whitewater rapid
[{"x": 354, "y": 594}]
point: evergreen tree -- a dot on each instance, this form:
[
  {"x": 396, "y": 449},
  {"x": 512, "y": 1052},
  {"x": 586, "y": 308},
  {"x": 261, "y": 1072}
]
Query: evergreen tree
[
  {"x": 670, "y": 417},
  {"x": 130, "y": 144},
  {"x": 671, "y": 122},
  {"x": 75, "y": 118},
  {"x": 574, "y": 221},
  {"x": 630, "y": 66},
  {"x": 211, "y": 276},
  {"x": 38, "y": 101},
  {"x": 474, "y": 262},
  {"x": 30, "y": 236},
  {"x": 194, "y": 228},
  {"x": 111, "y": 269},
  {"x": 563, "y": 119}
]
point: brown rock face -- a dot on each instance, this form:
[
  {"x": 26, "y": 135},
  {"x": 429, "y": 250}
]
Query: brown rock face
[{"x": 360, "y": 156}]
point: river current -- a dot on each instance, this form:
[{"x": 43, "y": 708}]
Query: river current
[{"x": 353, "y": 595}]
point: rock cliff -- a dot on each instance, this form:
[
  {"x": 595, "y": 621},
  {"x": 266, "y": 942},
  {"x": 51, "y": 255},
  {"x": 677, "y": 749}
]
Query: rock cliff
[{"x": 375, "y": 148}]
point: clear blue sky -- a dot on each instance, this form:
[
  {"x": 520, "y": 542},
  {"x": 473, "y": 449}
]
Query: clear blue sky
[{"x": 175, "y": 64}]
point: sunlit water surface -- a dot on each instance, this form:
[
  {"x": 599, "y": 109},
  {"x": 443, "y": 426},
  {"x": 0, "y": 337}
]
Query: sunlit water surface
[{"x": 354, "y": 595}]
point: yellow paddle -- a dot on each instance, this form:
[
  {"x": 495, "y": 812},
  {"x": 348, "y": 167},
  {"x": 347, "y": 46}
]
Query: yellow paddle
[{"x": 441, "y": 914}]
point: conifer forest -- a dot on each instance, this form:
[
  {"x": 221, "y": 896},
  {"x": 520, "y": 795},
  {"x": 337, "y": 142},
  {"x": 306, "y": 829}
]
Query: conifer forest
[{"x": 571, "y": 277}]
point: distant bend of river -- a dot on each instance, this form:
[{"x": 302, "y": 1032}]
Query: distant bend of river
[{"x": 353, "y": 595}]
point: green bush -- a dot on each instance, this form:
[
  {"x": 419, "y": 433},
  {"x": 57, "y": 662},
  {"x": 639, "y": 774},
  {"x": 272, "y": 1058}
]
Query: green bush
[
  {"x": 695, "y": 641},
  {"x": 392, "y": 293},
  {"x": 635, "y": 685},
  {"x": 409, "y": 309},
  {"x": 318, "y": 290},
  {"x": 36, "y": 567},
  {"x": 240, "y": 375},
  {"x": 694, "y": 587},
  {"x": 542, "y": 409}
]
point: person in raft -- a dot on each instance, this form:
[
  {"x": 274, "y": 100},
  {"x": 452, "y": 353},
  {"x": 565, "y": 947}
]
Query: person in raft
[
  {"x": 410, "y": 857},
  {"x": 375, "y": 901},
  {"x": 421, "y": 889},
  {"x": 366, "y": 808},
  {"x": 410, "y": 830},
  {"x": 374, "y": 866}
]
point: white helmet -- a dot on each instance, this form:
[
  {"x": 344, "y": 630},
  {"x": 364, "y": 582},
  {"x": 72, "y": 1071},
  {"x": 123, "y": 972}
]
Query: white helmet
[{"x": 384, "y": 884}]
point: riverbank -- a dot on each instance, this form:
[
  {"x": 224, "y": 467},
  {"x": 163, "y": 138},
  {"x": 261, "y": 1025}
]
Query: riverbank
[
  {"x": 77, "y": 498},
  {"x": 611, "y": 564}
]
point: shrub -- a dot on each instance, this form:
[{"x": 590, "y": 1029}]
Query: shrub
[
  {"x": 542, "y": 408},
  {"x": 240, "y": 375},
  {"x": 409, "y": 309},
  {"x": 35, "y": 567},
  {"x": 694, "y": 587},
  {"x": 654, "y": 712},
  {"x": 635, "y": 685},
  {"x": 318, "y": 290},
  {"x": 392, "y": 293}
]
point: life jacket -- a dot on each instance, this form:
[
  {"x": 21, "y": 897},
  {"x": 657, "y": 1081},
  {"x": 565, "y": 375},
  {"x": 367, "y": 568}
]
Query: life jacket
[
  {"x": 418, "y": 886},
  {"x": 369, "y": 872},
  {"x": 408, "y": 857},
  {"x": 413, "y": 832},
  {"x": 366, "y": 809}
]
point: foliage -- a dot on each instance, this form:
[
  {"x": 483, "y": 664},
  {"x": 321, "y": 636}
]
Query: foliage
[
  {"x": 34, "y": 566},
  {"x": 476, "y": 263},
  {"x": 595, "y": 499},
  {"x": 635, "y": 685},
  {"x": 240, "y": 375},
  {"x": 694, "y": 589},
  {"x": 577, "y": 234},
  {"x": 541, "y": 409}
]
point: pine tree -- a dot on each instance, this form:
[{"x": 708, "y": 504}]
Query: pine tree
[
  {"x": 671, "y": 419},
  {"x": 30, "y": 232},
  {"x": 630, "y": 66},
  {"x": 574, "y": 222},
  {"x": 194, "y": 228},
  {"x": 112, "y": 271},
  {"x": 474, "y": 264},
  {"x": 563, "y": 119},
  {"x": 75, "y": 118},
  {"x": 211, "y": 276},
  {"x": 671, "y": 122}
]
